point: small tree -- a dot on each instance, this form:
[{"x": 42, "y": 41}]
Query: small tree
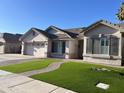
[{"x": 120, "y": 14}]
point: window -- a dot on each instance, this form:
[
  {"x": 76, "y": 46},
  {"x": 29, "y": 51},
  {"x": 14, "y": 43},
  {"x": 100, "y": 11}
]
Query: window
[
  {"x": 102, "y": 42},
  {"x": 97, "y": 46},
  {"x": 54, "y": 47},
  {"x": 58, "y": 47},
  {"x": 104, "y": 46},
  {"x": 63, "y": 47},
  {"x": 89, "y": 46},
  {"x": 114, "y": 46}
]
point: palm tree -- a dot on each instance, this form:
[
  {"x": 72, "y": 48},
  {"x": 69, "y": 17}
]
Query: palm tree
[{"x": 120, "y": 14}]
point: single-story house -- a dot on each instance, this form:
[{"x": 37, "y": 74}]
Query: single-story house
[
  {"x": 9, "y": 43},
  {"x": 101, "y": 42},
  {"x": 53, "y": 42}
]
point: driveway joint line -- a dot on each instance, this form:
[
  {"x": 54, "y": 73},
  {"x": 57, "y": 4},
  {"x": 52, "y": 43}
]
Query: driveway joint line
[
  {"x": 54, "y": 89},
  {"x": 21, "y": 83}
]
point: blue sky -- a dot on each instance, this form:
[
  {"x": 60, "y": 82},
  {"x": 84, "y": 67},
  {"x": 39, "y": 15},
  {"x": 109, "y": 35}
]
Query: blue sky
[{"x": 18, "y": 16}]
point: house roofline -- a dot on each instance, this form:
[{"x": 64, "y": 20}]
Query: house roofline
[
  {"x": 32, "y": 29},
  {"x": 104, "y": 22},
  {"x": 58, "y": 29}
]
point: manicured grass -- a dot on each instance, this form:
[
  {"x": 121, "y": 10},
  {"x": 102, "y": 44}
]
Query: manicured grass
[
  {"x": 79, "y": 77},
  {"x": 28, "y": 66}
]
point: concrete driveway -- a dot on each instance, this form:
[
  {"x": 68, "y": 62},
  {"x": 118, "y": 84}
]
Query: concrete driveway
[{"x": 6, "y": 59}]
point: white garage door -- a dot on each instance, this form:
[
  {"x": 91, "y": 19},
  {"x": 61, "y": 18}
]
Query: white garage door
[
  {"x": 1, "y": 49},
  {"x": 29, "y": 49},
  {"x": 37, "y": 50}
]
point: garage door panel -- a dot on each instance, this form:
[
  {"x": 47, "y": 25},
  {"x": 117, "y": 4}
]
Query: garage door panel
[
  {"x": 39, "y": 50},
  {"x": 29, "y": 49},
  {"x": 36, "y": 50},
  {"x": 1, "y": 49}
]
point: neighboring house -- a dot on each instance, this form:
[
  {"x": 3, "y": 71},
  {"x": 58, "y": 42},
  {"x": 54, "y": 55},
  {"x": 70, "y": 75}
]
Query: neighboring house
[
  {"x": 9, "y": 43},
  {"x": 53, "y": 42},
  {"x": 101, "y": 42}
]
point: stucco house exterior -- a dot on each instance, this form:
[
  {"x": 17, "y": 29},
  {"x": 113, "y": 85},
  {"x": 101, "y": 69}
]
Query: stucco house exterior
[
  {"x": 101, "y": 42},
  {"x": 53, "y": 42},
  {"x": 9, "y": 43}
]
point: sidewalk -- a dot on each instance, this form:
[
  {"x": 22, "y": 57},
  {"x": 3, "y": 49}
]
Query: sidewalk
[
  {"x": 50, "y": 67},
  {"x": 14, "y": 83}
]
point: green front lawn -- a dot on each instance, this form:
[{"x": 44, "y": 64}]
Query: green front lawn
[
  {"x": 28, "y": 66},
  {"x": 79, "y": 77}
]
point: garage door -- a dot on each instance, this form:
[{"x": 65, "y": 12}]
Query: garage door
[
  {"x": 1, "y": 49},
  {"x": 29, "y": 49},
  {"x": 37, "y": 50}
]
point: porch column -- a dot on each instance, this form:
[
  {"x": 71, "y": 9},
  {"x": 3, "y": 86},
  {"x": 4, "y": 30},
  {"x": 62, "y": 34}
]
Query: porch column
[
  {"x": 121, "y": 50},
  {"x": 46, "y": 49},
  {"x": 120, "y": 46},
  {"x": 67, "y": 50},
  {"x": 22, "y": 50},
  {"x": 49, "y": 47},
  {"x": 85, "y": 46}
]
